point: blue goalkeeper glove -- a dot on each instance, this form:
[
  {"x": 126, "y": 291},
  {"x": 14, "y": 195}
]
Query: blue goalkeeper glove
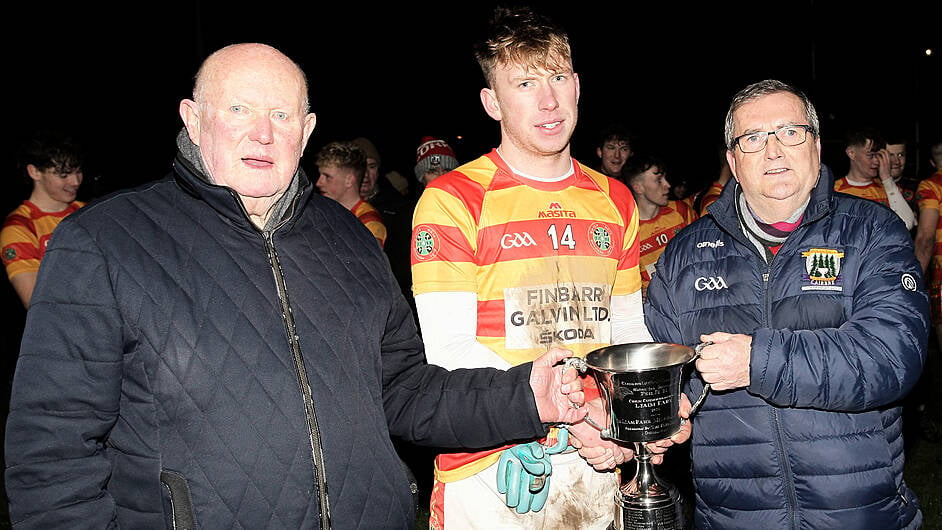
[{"x": 523, "y": 473}]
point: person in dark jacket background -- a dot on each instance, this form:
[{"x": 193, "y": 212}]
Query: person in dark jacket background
[
  {"x": 813, "y": 309},
  {"x": 215, "y": 348}
]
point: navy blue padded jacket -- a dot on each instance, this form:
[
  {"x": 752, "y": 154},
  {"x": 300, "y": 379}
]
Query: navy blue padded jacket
[{"x": 839, "y": 321}]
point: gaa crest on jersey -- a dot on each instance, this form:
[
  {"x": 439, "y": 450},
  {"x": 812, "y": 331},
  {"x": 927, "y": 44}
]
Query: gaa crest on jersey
[
  {"x": 601, "y": 239},
  {"x": 9, "y": 254},
  {"x": 426, "y": 243},
  {"x": 822, "y": 270}
]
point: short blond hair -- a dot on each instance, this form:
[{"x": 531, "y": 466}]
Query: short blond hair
[
  {"x": 520, "y": 36},
  {"x": 346, "y": 155}
]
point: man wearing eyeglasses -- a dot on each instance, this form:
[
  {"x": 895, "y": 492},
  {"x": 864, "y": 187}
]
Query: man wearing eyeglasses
[
  {"x": 813, "y": 307},
  {"x": 870, "y": 173}
]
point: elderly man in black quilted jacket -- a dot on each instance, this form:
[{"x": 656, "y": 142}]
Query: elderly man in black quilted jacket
[{"x": 224, "y": 348}]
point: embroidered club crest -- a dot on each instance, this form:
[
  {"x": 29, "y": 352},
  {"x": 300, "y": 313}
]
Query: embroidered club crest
[
  {"x": 424, "y": 247},
  {"x": 823, "y": 270},
  {"x": 601, "y": 239}
]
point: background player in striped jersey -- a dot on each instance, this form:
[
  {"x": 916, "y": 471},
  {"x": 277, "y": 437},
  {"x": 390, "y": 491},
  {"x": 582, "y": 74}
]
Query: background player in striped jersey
[
  {"x": 53, "y": 163},
  {"x": 711, "y": 193},
  {"x": 868, "y": 174},
  {"x": 514, "y": 252},
  {"x": 929, "y": 233},
  {"x": 614, "y": 149},
  {"x": 342, "y": 167},
  {"x": 659, "y": 217},
  {"x": 929, "y": 253}
]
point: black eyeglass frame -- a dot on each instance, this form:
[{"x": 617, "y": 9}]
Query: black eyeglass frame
[{"x": 765, "y": 137}]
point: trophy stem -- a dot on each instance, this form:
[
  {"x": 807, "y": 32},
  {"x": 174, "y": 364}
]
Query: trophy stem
[{"x": 647, "y": 502}]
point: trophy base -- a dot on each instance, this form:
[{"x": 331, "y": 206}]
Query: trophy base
[
  {"x": 668, "y": 516},
  {"x": 648, "y": 502}
]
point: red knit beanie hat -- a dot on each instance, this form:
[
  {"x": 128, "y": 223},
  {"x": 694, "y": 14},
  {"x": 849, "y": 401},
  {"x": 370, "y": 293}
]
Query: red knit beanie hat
[{"x": 433, "y": 152}]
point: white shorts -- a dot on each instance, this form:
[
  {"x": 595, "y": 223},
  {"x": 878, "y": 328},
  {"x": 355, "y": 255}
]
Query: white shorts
[{"x": 579, "y": 498}]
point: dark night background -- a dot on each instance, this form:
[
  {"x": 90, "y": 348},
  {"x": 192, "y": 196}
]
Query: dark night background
[
  {"x": 399, "y": 70},
  {"x": 114, "y": 75},
  {"x": 396, "y": 71}
]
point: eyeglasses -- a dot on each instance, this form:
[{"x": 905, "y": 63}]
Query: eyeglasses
[{"x": 789, "y": 135}]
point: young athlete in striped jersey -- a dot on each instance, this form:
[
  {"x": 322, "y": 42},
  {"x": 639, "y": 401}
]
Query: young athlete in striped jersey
[
  {"x": 341, "y": 167},
  {"x": 516, "y": 251},
  {"x": 868, "y": 175},
  {"x": 53, "y": 162},
  {"x": 659, "y": 217}
]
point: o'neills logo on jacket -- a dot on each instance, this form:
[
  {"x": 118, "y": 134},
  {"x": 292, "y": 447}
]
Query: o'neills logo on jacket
[{"x": 823, "y": 268}]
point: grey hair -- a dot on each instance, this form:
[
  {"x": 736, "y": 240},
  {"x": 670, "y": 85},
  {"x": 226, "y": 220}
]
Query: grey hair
[{"x": 764, "y": 88}]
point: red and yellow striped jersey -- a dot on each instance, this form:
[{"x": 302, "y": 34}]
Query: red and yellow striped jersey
[
  {"x": 654, "y": 234},
  {"x": 543, "y": 257},
  {"x": 929, "y": 195},
  {"x": 874, "y": 190},
  {"x": 370, "y": 216},
  {"x": 709, "y": 196},
  {"x": 26, "y": 232}
]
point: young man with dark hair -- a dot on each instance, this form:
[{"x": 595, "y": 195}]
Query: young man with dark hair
[{"x": 53, "y": 163}]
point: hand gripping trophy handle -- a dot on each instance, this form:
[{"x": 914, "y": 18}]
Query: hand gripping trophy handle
[
  {"x": 579, "y": 364},
  {"x": 706, "y": 386}
]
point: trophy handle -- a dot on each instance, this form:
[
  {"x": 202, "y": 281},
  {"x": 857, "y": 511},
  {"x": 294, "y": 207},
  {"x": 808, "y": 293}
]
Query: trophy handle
[
  {"x": 579, "y": 364},
  {"x": 699, "y": 401},
  {"x": 604, "y": 433},
  {"x": 706, "y": 386},
  {"x": 575, "y": 362}
]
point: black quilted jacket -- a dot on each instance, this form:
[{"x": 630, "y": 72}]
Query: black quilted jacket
[{"x": 181, "y": 367}]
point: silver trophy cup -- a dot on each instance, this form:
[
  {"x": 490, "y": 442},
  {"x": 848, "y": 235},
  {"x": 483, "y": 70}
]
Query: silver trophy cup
[{"x": 640, "y": 384}]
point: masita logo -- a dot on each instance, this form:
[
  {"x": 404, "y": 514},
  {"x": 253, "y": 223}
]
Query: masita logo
[{"x": 555, "y": 210}]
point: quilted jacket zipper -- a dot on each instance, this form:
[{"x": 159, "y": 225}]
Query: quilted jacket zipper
[
  {"x": 317, "y": 450},
  {"x": 791, "y": 500}
]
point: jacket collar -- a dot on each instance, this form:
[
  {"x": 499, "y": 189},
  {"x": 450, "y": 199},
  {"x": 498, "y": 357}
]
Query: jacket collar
[
  {"x": 724, "y": 209},
  {"x": 190, "y": 175}
]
